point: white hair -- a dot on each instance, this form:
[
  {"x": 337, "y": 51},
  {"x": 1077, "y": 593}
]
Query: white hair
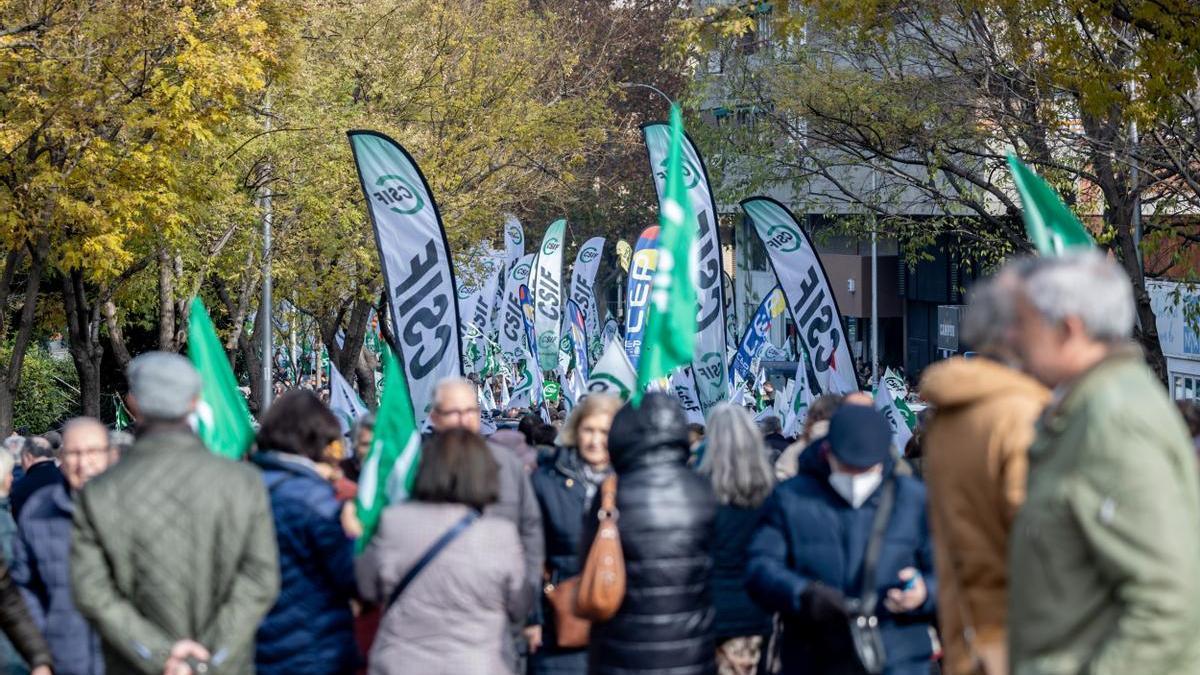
[
  {"x": 446, "y": 384},
  {"x": 990, "y": 313},
  {"x": 734, "y": 458},
  {"x": 1086, "y": 285},
  {"x": 7, "y": 462}
]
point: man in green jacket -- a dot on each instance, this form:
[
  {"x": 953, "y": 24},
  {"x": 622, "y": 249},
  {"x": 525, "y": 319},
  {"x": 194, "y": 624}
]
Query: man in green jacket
[
  {"x": 1105, "y": 554},
  {"x": 174, "y": 554}
]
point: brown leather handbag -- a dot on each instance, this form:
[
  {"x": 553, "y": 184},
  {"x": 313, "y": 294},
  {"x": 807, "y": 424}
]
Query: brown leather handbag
[
  {"x": 602, "y": 583},
  {"x": 570, "y": 631}
]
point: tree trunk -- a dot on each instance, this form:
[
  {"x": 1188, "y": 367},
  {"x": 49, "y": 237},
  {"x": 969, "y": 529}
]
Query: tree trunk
[
  {"x": 116, "y": 335},
  {"x": 10, "y": 374},
  {"x": 245, "y": 346},
  {"x": 166, "y": 302},
  {"x": 364, "y": 375},
  {"x": 83, "y": 338}
]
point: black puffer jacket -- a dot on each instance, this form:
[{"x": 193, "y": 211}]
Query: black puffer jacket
[{"x": 667, "y": 512}]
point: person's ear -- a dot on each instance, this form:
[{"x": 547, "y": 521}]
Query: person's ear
[{"x": 132, "y": 404}]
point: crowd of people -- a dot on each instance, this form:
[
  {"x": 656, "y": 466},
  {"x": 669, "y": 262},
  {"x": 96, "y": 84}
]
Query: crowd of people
[{"x": 1043, "y": 522}]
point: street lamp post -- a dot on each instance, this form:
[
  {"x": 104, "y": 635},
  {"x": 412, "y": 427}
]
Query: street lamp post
[
  {"x": 874, "y": 286},
  {"x": 634, "y": 85},
  {"x": 267, "y": 343}
]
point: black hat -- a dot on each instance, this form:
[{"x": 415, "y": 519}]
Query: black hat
[
  {"x": 859, "y": 436},
  {"x": 655, "y": 430}
]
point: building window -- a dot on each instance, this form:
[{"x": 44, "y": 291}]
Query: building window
[
  {"x": 1185, "y": 387},
  {"x": 755, "y": 254}
]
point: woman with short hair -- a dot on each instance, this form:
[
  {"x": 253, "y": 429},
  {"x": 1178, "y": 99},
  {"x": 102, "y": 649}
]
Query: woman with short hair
[
  {"x": 736, "y": 465},
  {"x": 455, "y": 610},
  {"x": 310, "y": 628},
  {"x": 565, "y": 488}
]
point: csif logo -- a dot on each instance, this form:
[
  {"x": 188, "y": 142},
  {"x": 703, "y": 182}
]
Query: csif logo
[
  {"x": 588, "y": 254},
  {"x": 514, "y": 234},
  {"x": 712, "y": 370},
  {"x": 691, "y": 177},
  {"x": 783, "y": 238},
  {"x": 464, "y": 292},
  {"x": 398, "y": 194},
  {"x": 521, "y": 272},
  {"x": 550, "y": 247}
]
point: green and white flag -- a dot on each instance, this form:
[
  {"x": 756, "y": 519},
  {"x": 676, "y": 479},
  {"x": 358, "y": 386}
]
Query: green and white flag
[
  {"x": 896, "y": 410},
  {"x": 1051, "y": 226},
  {"x": 546, "y": 284},
  {"x": 670, "y": 338},
  {"x": 613, "y": 374},
  {"x": 391, "y": 464},
  {"x": 669, "y": 146},
  {"x": 800, "y": 398},
  {"x": 222, "y": 416},
  {"x": 344, "y": 402}
]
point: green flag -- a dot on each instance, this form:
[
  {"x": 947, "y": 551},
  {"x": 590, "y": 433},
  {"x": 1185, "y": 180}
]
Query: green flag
[
  {"x": 1051, "y": 226},
  {"x": 670, "y": 337},
  {"x": 391, "y": 464},
  {"x": 223, "y": 419}
]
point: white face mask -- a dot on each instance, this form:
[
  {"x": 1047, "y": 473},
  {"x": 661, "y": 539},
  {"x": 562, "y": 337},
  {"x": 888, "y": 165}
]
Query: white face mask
[{"x": 855, "y": 487}]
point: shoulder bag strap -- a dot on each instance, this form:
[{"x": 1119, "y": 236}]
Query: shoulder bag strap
[
  {"x": 430, "y": 554},
  {"x": 883, "y": 514}
]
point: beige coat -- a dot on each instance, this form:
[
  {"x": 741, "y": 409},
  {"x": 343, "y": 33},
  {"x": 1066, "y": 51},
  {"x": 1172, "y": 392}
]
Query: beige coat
[
  {"x": 975, "y": 447},
  {"x": 455, "y": 614}
]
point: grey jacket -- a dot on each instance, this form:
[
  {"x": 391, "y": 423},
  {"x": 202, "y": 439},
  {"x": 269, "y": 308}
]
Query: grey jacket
[
  {"x": 454, "y": 617},
  {"x": 518, "y": 504}
]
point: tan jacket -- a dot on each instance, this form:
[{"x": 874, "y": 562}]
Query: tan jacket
[
  {"x": 456, "y": 612},
  {"x": 975, "y": 447}
]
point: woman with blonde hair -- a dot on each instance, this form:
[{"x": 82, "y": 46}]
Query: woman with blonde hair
[
  {"x": 736, "y": 464},
  {"x": 565, "y": 488}
]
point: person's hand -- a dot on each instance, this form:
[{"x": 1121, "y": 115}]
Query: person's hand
[
  {"x": 822, "y": 604},
  {"x": 350, "y": 522},
  {"x": 533, "y": 634},
  {"x": 899, "y": 601},
  {"x": 41, "y": 670},
  {"x": 180, "y": 653}
]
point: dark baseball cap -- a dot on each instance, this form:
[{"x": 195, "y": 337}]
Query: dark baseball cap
[{"x": 859, "y": 436}]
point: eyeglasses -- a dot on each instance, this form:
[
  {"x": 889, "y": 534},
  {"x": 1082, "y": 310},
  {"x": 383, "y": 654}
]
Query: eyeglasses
[
  {"x": 465, "y": 412},
  {"x": 80, "y": 453}
]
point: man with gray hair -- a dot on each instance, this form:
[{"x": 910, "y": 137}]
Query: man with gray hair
[
  {"x": 174, "y": 559},
  {"x": 38, "y": 460},
  {"x": 1105, "y": 554},
  {"x": 982, "y": 420}
]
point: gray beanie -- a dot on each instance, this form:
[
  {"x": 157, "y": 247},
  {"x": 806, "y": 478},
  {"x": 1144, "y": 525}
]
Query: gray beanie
[{"x": 164, "y": 384}]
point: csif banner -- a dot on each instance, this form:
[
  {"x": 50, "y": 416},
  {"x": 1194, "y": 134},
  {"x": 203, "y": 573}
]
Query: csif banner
[
  {"x": 809, "y": 297},
  {"x": 637, "y": 292},
  {"x": 755, "y": 335},
  {"x": 512, "y": 321},
  {"x": 546, "y": 284},
  {"x": 583, "y": 287},
  {"x": 514, "y": 240},
  {"x": 417, "y": 269},
  {"x": 709, "y": 363}
]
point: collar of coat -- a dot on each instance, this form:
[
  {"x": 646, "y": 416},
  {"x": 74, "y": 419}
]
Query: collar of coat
[{"x": 1067, "y": 394}]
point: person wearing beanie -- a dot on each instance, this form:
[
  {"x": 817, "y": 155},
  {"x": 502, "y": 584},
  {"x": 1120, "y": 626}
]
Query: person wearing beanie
[
  {"x": 667, "y": 524},
  {"x": 174, "y": 558},
  {"x": 809, "y": 555}
]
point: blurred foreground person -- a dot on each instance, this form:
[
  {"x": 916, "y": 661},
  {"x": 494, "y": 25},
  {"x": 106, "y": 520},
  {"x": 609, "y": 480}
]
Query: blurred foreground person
[
  {"x": 43, "y": 547},
  {"x": 565, "y": 489},
  {"x": 666, "y": 517},
  {"x": 1105, "y": 555},
  {"x": 450, "y": 580},
  {"x": 974, "y": 448},
  {"x": 173, "y": 554},
  {"x": 311, "y": 628},
  {"x": 736, "y": 465},
  {"x": 844, "y": 547}
]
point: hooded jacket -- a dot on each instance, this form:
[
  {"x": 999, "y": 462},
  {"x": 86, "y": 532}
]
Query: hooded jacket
[
  {"x": 666, "y": 520},
  {"x": 975, "y": 452},
  {"x": 809, "y": 534}
]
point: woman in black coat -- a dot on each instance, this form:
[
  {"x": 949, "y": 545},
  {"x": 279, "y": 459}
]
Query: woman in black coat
[
  {"x": 666, "y": 515},
  {"x": 736, "y": 465},
  {"x": 564, "y": 489}
]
